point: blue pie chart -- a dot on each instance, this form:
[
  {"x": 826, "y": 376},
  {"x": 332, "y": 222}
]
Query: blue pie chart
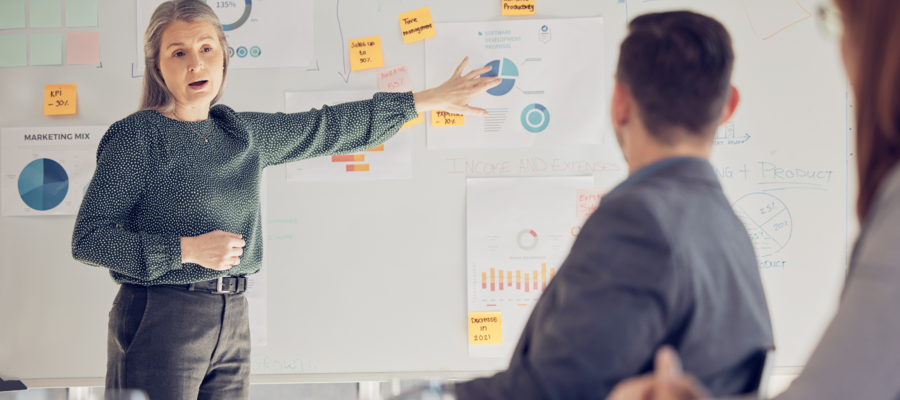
[
  {"x": 508, "y": 72},
  {"x": 43, "y": 184}
]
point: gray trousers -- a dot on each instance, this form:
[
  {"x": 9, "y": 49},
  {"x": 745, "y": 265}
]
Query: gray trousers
[{"x": 176, "y": 344}]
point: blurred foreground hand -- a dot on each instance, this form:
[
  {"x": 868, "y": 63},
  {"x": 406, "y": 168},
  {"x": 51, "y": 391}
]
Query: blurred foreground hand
[{"x": 667, "y": 382}]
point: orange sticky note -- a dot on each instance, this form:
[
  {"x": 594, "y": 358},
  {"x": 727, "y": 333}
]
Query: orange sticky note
[
  {"x": 586, "y": 202},
  {"x": 485, "y": 328},
  {"x": 518, "y": 7},
  {"x": 60, "y": 99},
  {"x": 365, "y": 53},
  {"x": 416, "y": 25},
  {"x": 443, "y": 118}
]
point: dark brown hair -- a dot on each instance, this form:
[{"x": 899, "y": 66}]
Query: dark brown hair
[
  {"x": 678, "y": 67},
  {"x": 873, "y": 30}
]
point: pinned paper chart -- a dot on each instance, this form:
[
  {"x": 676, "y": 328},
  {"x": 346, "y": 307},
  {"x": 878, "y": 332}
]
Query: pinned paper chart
[
  {"x": 260, "y": 34},
  {"x": 391, "y": 160},
  {"x": 519, "y": 232},
  {"x": 46, "y": 171},
  {"x": 770, "y": 17},
  {"x": 551, "y": 89}
]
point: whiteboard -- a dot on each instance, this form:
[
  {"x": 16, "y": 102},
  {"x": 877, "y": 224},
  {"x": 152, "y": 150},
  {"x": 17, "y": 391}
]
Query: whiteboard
[{"x": 371, "y": 283}]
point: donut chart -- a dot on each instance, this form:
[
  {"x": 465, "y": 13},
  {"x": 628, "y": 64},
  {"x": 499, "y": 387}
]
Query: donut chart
[
  {"x": 244, "y": 17},
  {"x": 43, "y": 184},
  {"x": 522, "y": 234},
  {"x": 535, "y": 118}
]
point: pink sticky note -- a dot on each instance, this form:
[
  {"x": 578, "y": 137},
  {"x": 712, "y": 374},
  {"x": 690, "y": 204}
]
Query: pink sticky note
[
  {"x": 586, "y": 202},
  {"x": 83, "y": 48},
  {"x": 396, "y": 79}
]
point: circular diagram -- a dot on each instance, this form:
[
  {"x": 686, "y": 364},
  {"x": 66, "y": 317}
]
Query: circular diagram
[
  {"x": 507, "y": 71},
  {"x": 768, "y": 222},
  {"x": 43, "y": 184},
  {"x": 522, "y": 234},
  {"x": 535, "y": 118},
  {"x": 244, "y": 17}
]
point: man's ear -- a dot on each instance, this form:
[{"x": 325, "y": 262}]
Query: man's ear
[
  {"x": 734, "y": 98},
  {"x": 621, "y": 105}
]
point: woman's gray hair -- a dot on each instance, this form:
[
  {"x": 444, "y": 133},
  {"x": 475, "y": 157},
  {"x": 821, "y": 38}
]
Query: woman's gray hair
[{"x": 155, "y": 94}]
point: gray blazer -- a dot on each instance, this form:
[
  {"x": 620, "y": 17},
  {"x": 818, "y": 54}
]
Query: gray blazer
[
  {"x": 859, "y": 355},
  {"x": 663, "y": 260}
]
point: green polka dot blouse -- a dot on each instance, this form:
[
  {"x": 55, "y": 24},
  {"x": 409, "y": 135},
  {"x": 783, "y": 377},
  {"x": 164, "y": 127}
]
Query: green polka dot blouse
[{"x": 157, "y": 180}]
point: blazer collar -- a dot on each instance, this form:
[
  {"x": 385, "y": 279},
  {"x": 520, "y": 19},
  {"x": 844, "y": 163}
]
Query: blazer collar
[{"x": 682, "y": 168}]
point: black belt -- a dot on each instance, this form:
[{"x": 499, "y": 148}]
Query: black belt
[{"x": 223, "y": 285}]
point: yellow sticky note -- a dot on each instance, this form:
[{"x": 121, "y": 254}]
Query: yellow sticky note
[
  {"x": 518, "y": 7},
  {"x": 485, "y": 328},
  {"x": 60, "y": 99},
  {"x": 365, "y": 53},
  {"x": 413, "y": 122},
  {"x": 443, "y": 118},
  {"x": 416, "y": 25}
]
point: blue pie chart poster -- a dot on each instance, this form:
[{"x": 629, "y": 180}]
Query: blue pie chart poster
[{"x": 43, "y": 184}]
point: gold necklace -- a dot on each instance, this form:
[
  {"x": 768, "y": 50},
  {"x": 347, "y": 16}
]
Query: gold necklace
[{"x": 209, "y": 132}]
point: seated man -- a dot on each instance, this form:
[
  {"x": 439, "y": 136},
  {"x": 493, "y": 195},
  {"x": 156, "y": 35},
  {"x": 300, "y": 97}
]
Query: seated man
[{"x": 663, "y": 260}]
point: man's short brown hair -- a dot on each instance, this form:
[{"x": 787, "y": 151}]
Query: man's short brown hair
[{"x": 678, "y": 67}]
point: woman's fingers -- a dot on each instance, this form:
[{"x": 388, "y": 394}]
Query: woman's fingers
[
  {"x": 639, "y": 388},
  {"x": 467, "y": 109},
  {"x": 461, "y": 67},
  {"x": 667, "y": 364},
  {"x": 478, "y": 72},
  {"x": 487, "y": 84}
]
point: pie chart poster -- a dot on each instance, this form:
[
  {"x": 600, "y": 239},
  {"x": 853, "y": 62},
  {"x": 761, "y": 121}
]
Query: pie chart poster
[
  {"x": 552, "y": 88},
  {"x": 260, "y": 33},
  {"x": 46, "y": 171}
]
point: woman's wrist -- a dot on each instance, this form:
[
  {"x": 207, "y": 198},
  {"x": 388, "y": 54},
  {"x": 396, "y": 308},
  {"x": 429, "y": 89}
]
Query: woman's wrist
[
  {"x": 424, "y": 100},
  {"x": 185, "y": 252}
]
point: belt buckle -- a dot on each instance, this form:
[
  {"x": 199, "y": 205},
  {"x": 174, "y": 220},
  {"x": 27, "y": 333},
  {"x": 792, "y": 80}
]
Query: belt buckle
[{"x": 219, "y": 286}]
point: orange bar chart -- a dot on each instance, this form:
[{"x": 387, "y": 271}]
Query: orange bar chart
[
  {"x": 543, "y": 277},
  {"x": 531, "y": 279},
  {"x": 357, "y": 167},
  {"x": 380, "y": 147},
  {"x": 492, "y": 279},
  {"x": 348, "y": 158}
]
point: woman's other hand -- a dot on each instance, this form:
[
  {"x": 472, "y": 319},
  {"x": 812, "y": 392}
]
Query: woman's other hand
[
  {"x": 667, "y": 382},
  {"x": 216, "y": 250},
  {"x": 454, "y": 95}
]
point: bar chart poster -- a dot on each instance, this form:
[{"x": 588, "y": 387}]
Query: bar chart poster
[
  {"x": 391, "y": 160},
  {"x": 519, "y": 231},
  {"x": 46, "y": 171}
]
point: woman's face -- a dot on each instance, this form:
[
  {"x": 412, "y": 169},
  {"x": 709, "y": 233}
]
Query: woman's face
[{"x": 191, "y": 62}]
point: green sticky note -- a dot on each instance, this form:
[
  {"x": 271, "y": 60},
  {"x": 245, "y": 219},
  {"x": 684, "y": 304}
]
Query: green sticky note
[
  {"x": 12, "y": 51},
  {"x": 45, "y": 14},
  {"x": 12, "y": 14},
  {"x": 46, "y": 49},
  {"x": 81, "y": 13}
]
